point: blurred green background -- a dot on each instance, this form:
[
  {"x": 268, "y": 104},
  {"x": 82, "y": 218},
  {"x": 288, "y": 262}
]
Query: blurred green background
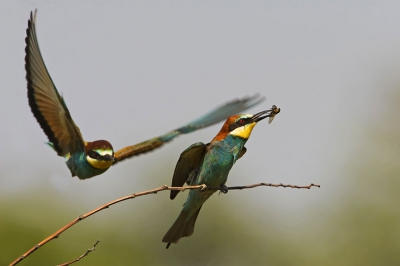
[{"x": 148, "y": 67}]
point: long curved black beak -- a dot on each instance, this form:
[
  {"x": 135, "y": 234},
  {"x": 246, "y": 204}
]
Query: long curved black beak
[{"x": 271, "y": 113}]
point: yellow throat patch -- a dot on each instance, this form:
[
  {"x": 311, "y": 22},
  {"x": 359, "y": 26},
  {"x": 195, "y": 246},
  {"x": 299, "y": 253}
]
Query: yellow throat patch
[
  {"x": 99, "y": 164},
  {"x": 243, "y": 131}
]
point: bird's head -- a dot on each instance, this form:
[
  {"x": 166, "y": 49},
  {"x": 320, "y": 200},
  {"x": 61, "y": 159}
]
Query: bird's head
[
  {"x": 241, "y": 125},
  {"x": 99, "y": 154}
]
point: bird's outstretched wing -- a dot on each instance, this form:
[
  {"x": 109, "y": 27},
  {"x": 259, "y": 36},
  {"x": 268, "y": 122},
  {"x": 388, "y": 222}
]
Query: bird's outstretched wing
[
  {"x": 46, "y": 103},
  {"x": 190, "y": 160},
  {"x": 216, "y": 115}
]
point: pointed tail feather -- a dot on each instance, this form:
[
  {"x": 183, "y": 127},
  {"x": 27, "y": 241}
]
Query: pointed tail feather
[
  {"x": 176, "y": 231},
  {"x": 181, "y": 228},
  {"x": 189, "y": 228}
]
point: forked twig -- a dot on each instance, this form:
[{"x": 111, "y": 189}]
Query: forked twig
[
  {"x": 81, "y": 256},
  {"x": 132, "y": 196}
]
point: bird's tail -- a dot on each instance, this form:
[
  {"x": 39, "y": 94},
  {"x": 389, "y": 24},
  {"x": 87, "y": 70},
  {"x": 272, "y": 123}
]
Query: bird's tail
[{"x": 181, "y": 228}]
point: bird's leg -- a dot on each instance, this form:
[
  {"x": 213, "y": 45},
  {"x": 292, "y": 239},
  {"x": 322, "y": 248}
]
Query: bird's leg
[{"x": 223, "y": 188}]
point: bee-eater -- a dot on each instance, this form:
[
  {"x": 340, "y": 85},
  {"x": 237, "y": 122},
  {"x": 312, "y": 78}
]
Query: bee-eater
[
  {"x": 210, "y": 164},
  {"x": 87, "y": 159}
]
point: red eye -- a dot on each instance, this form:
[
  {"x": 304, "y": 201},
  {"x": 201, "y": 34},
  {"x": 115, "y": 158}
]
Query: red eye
[{"x": 241, "y": 121}]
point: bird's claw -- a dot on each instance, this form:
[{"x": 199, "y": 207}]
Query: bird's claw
[{"x": 224, "y": 189}]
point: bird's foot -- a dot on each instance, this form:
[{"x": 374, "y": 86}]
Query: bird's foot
[{"x": 223, "y": 188}]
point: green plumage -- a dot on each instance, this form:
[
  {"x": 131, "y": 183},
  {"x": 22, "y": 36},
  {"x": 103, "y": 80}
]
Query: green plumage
[{"x": 209, "y": 164}]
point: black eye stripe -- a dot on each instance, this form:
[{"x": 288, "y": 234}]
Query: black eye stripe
[
  {"x": 93, "y": 154},
  {"x": 239, "y": 123}
]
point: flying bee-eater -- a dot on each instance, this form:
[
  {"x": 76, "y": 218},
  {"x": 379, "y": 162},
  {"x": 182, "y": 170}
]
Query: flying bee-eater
[
  {"x": 210, "y": 164},
  {"x": 87, "y": 159}
]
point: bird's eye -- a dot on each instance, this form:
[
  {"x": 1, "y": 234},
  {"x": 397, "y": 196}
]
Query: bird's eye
[{"x": 241, "y": 121}]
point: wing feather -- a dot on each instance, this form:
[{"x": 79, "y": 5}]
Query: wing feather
[
  {"x": 46, "y": 103},
  {"x": 190, "y": 160},
  {"x": 242, "y": 152},
  {"x": 216, "y": 115}
]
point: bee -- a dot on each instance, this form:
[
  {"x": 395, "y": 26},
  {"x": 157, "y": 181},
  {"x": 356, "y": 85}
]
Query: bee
[{"x": 274, "y": 111}]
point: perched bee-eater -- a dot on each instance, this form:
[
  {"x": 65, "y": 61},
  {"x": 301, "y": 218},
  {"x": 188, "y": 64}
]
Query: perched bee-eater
[
  {"x": 87, "y": 159},
  {"x": 210, "y": 164}
]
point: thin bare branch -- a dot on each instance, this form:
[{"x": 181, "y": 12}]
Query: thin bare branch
[
  {"x": 105, "y": 206},
  {"x": 132, "y": 196},
  {"x": 81, "y": 256},
  {"x": 268, "y": 185}
]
